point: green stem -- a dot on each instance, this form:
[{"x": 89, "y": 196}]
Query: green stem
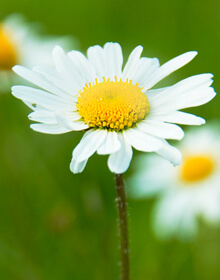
[{"x": 123, "y": 226}]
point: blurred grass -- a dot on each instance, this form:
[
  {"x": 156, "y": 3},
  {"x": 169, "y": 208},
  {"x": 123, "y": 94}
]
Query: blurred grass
[{"x": 56, "y": 225}]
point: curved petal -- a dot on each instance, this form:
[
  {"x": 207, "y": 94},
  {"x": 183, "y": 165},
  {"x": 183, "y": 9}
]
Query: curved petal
[
  {"x": 77, "y": 167},
  {"x": 119, "y": 161},
  {"x": 38, "y": 80},
  {"x": 180, "y": 118},
  {"x": 43, "y": 116},
  {"x": 110, "y": 145},
  {"x": 69, "y": 123},
  {"x": 161, "y": 129},
  {"x": 170, "y": 153},
  {"x": 65, "y": 66},
  {"x": 114, "y": 59},
  {"x": 90, "y": 142},
  {"x": 84, "y": 65},
  {"x": 182, "y": 91},
  {"x": 56, "y": 79},
  {"x": 146, "y": 67},
  {"x": 132, "y": 63},
  {"x": 49, "y": 128},
  {"x": 96, "y": 57},
  {"x": 191, "y": 99},
  {"x": 142, "y": 141},
  {"x": 169, "y": 67},
  {"x": 43, "y": 98}
]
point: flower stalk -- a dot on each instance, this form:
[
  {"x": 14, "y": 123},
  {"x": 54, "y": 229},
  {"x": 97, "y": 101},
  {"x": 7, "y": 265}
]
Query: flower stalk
[{"x": 123, "y": 226}]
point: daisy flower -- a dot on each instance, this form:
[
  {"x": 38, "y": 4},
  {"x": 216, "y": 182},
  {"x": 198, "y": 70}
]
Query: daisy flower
[
  {"x": 117, "y": 108},
  {"x": 189, "y": 192},
  {"x": 21, "y": 44}
]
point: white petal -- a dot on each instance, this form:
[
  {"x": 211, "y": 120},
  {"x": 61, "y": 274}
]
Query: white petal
[
  {"x": 84, "y": 66},
  {"x": 192, "y": 99},
  {"x": 146, "y": 67},
  {"x": 90, "y": 142},
  {"x": 66, "y": 121},
  {"x": 43, "y": 98},
  {"x": 132, "y": 63},
  {"x": 142, "y": 141},
  {"x": 170, "y": 153},
  {"x": 119, "y": 161},
  {"x": 77, "y": 167},
  {"x": 161, "y": 129},
  {"x": 110, "y": 145},
  {"x": 49, "y": 128},
  {"x": 73, "y": 116},
  {"x": 65, "y": 66},
  {"x": 57, "y": 79},
  {"x": 190, "y": 92},
  {"x": 43, "y": 116},
  {"x": 180, "y": 118},
  {"x": 96, "y": 57},
  {"x": 113, "y": 59},
  {"x": 181, "y": 89},
  {"x": 169, "y": 67},
  {"x": 38, "y": 80}
]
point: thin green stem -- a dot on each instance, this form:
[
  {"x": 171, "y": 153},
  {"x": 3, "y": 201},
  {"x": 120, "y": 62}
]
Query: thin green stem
[{"x": 123, "y": 226}]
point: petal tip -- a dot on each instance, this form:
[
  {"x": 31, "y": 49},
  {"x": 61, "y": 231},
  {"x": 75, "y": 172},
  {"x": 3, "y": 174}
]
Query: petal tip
[{"x": 57, "y": 49}]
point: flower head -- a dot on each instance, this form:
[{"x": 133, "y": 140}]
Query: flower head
[
  {"x": 117, "y": 108},
  {"x": 187, "y": 192},
  {"x": 20, "y": 43}
]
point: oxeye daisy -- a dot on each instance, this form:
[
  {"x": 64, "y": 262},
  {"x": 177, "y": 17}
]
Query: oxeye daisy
[
  {"x": 117, "y": 109},
  {"x": 20, "y": 43},
  {"x": 187, "y": 193}
]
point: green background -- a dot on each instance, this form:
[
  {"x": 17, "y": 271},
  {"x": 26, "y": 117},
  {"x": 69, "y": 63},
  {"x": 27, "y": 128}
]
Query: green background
[{"x": 56, "y": 225}]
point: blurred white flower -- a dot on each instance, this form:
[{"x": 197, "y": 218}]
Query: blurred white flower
[
  {"x": 117, "y": 107},
  {"x": 21, "y": 43},
  {"x": 187, "y": 193}
]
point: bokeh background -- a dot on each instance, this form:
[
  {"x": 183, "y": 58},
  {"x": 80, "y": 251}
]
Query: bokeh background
[{"x": 56, "y": 225}]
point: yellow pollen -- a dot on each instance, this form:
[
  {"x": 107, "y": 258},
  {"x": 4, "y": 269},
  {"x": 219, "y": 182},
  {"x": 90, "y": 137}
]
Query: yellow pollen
[
  {"x": 113, "y": 105},
  {"x": 8, "y": 55},
  {"x": 196, "y": 168}
]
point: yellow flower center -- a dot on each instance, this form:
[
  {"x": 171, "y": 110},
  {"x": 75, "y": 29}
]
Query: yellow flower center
[
  {"x": 8, "y": 55},
  {"x": 196, "y": 168},
  {"x": 114, "y": 105}
]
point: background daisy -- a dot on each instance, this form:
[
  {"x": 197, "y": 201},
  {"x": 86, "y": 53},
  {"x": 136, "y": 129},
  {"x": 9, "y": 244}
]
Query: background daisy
[
  {"x": 187, "y": 193},
  {"x": 22, "y": 43}
]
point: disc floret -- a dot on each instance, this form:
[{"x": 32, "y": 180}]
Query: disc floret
[{"x": 113, "y": 105}]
